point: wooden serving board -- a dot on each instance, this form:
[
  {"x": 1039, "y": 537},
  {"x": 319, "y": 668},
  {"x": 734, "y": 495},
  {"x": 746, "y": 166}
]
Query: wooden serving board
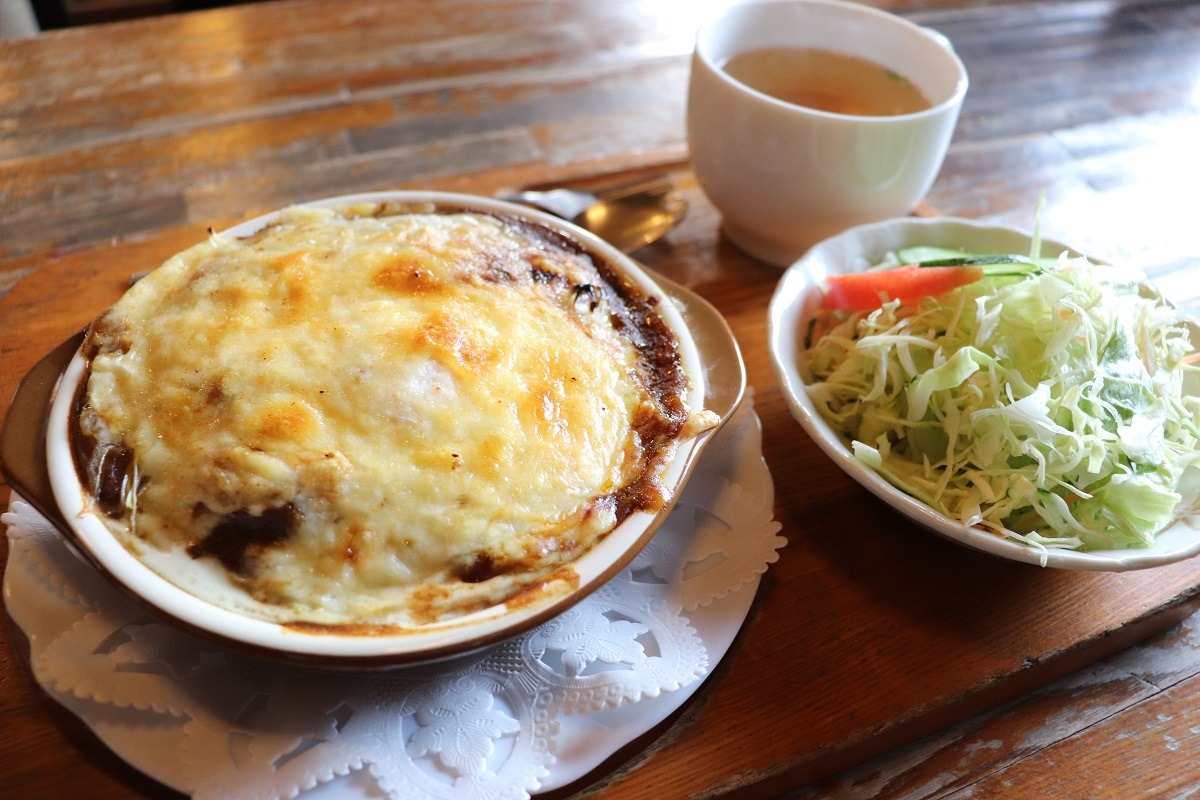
[{"x": 869, "y": 631}]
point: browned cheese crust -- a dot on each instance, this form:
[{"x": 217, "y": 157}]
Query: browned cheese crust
[{"x": 378, "y": 415}]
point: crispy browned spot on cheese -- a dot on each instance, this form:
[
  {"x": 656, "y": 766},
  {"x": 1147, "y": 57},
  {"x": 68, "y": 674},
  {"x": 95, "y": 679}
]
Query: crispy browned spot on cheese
[{"x": 405, "y": 274}]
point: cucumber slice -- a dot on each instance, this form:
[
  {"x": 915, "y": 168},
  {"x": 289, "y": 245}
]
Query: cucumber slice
[
  {"x": 964, "y": 260},
  {"x": 917, "y": 255},
  {"x": 993, "y": 265}
]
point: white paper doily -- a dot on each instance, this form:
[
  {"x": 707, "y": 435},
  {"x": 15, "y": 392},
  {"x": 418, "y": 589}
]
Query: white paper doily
[{"x": 529, "y": 715}]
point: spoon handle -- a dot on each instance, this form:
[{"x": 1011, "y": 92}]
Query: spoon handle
[
  {"x": 570, "y": 203},
  {"x": 565, "y": 203}
]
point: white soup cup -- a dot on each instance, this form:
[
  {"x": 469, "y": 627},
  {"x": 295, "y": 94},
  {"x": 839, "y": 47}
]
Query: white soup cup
[{"x": 786, "y": 176}]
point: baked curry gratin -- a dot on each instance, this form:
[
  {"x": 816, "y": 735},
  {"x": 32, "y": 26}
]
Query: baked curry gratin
[{"x": 379, "y": 414}]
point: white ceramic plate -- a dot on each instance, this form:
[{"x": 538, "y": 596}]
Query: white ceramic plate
[
  {"x": 696, "y": 325},
  {"x": 796, "y": 298}
]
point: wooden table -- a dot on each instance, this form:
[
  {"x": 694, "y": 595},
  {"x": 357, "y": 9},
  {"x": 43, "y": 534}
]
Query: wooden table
[{"x": 120, "y": 144}]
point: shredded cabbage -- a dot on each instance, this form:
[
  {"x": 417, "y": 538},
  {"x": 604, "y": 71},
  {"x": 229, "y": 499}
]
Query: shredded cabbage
[{"x": 1057, "y": 408}]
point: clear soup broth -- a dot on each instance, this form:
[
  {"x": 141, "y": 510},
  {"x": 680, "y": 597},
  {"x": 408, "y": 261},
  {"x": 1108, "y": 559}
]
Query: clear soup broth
[{"x": 827, "y": 81}]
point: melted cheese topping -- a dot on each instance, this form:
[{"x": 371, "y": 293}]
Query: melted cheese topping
[{"x": 354, "y": 409}]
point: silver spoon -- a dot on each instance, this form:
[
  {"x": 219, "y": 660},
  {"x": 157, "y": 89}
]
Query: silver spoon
[{"x": 628, "y": 216}]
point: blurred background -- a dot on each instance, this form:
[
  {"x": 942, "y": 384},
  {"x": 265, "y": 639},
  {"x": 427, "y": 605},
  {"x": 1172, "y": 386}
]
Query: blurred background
[{"x": 27, "y": 17}]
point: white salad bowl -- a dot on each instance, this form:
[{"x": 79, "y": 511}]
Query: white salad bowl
[
  {"x": 796, "y": 299},
  {"x": 42, "y": 468}
]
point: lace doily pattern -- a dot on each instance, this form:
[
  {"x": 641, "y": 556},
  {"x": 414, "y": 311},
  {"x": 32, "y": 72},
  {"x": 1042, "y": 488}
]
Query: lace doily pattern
[{"x": 488, "y": 726}]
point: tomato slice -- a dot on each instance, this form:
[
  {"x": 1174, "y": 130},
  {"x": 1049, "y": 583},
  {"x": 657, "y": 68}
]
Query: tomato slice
[{"x": 866, "y": 291}]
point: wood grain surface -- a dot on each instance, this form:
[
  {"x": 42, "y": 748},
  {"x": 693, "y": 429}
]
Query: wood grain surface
[{"x": 120, "y": 144}]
